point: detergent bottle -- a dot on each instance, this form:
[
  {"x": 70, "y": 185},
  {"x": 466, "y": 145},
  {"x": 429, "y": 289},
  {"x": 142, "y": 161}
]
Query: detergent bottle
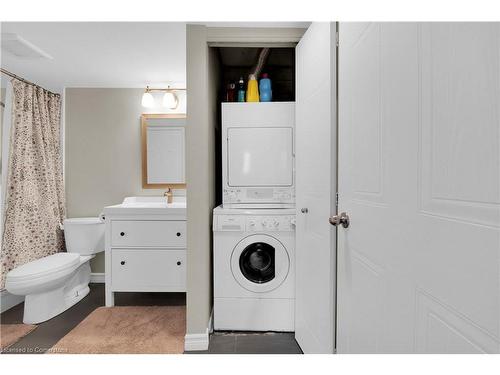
[
  {"x": 252, "y": 89},
  {"x": 266, "y": 94}
]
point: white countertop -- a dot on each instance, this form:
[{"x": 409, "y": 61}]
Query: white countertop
[{"x": 148, "y": 205}]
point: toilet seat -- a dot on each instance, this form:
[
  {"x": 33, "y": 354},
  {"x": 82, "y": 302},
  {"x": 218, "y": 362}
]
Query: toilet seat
[{"x": 49, "y": 265}]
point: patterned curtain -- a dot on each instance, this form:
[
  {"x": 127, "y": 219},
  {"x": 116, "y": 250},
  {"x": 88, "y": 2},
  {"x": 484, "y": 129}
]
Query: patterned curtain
[{"x": 35, "y": 203}]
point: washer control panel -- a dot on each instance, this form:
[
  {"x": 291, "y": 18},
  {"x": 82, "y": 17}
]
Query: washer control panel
[{"x": 272, "y": 223}]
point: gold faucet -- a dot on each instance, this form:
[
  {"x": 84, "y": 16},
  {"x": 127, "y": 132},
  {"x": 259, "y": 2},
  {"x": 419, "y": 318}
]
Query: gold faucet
[{"x": 169, "y": 195}]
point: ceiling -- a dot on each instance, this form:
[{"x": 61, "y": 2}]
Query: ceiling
[
  {"x": 301, "y": 25},
  {"x": 107, "y": 54},
  {"x": 101, "y": 54}
]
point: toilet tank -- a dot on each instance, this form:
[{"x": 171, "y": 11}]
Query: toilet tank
[{"x": 84, "y": 235}]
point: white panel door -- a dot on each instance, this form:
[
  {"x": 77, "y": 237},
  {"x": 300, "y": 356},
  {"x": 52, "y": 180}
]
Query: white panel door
[
  {"x": 315, "y": 189},
  {"x": 419, "y": 131}
]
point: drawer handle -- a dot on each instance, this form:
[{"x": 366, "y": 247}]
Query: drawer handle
[
  {"x": 122, "y": 262},
  {"x": 122, "y": 234},
  {"x": 179, "y": 263},
  {"x": 178, "y": 234}
]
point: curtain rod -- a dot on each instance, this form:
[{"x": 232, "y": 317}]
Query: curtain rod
[
  {"x": 167, "y": 89},
  {"x": 6, "y": 72}
]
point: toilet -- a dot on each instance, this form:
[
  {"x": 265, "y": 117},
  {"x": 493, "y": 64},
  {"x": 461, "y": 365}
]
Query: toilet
[{"x": 56, "y": 282}]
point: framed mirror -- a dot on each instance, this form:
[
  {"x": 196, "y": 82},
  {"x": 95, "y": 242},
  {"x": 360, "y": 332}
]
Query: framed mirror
[{"x": 163, "y": 151}]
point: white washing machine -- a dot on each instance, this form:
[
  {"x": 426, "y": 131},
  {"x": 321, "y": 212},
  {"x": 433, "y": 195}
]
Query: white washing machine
[{"x": 254, "y": 269}]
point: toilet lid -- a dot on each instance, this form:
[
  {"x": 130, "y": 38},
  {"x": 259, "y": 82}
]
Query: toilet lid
[
  {"x": 44, "y": 266},
  {"x": 83, "y": 220}
]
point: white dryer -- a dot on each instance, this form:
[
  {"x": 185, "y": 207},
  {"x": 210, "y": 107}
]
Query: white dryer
[
  {"x": 258, "y": 159},
  {"x": 254, "y": 269}
]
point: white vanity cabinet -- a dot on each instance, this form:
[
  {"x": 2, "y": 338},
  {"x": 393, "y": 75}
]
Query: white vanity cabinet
[{"x": 145, "y": 246}]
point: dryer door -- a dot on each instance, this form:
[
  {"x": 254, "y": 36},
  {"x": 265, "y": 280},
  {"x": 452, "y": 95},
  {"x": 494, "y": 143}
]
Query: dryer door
[
  {"x": 260, "y": 263},
  {"x": 260, "y": 156}
]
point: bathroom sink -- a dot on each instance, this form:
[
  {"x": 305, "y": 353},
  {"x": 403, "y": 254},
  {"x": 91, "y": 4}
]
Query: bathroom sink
[
  {"x": 153, "y": 202},
  {"x": 148, "y": 205}
]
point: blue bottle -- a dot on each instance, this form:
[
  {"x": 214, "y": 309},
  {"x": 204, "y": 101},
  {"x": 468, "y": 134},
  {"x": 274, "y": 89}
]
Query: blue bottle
[
  {"x": 265, "y": 92},
  {"x": 241, "y": 90}
]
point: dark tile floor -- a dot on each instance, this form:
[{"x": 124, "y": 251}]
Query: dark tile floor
[
  {"x": 50, "y": 332},
  {"x": 251, "y": 343}
]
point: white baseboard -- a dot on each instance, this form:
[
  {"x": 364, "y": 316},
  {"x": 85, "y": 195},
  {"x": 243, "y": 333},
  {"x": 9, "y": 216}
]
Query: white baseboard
[
  {"x": 97, "y": 277},
  {"x": 196, "y": 341},
  {"x": 8, "y": 301},
  {"x": 199, "y": 341}
]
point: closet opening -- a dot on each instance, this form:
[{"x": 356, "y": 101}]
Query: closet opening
[{"x": 229, "y": 64}]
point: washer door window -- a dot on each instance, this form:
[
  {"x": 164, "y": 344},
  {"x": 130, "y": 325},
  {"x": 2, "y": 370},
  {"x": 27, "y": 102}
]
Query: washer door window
[
  {"x": 260, "y": 263},
  {"x": 257, "y": 262}
]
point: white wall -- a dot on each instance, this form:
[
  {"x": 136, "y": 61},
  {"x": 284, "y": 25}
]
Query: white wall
[
  {"x": 2, "y": 156},
  {"x": 5, "y": 141},
  {"x": 200, "y": 176}
]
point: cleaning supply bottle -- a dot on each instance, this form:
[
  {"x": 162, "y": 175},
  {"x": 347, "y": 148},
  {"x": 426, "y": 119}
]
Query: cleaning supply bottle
[
  {"x": 231, "y": 92},
  {"x": 241, "y": 90},
  {"x": 253, "y": 89},
  {"x": 266, "y": 94}
]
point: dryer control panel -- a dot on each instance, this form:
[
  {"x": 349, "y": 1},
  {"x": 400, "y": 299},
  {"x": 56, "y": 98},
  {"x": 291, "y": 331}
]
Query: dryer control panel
[
  {"x": 252, "y": 196},
  {"x": 274, "y": 223}
]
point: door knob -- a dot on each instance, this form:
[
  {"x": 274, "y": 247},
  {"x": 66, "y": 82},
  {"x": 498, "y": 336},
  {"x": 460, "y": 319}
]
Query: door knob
[
  {"x": 342, "y": 219},
  {"x": 304, "y": 210}
]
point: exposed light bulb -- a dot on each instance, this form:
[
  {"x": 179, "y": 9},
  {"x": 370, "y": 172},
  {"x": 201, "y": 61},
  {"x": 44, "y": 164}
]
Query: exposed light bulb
[
  {"x": 170, "y": 100},
  {"x": 147, "y": 100}
]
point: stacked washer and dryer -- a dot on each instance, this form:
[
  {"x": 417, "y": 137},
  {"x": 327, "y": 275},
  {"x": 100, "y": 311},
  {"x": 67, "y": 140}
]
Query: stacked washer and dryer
[{"x": 254, "y": 228}]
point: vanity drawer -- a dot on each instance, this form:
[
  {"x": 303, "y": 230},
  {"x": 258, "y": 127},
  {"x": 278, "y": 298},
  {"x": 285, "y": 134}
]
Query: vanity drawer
[
  {"x": 153, "y": 270},
  {"x": 148, "y": 233}
]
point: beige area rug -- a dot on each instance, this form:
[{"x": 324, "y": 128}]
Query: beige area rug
[
  {"x": 127, "y": 330},
  {"x": 12, "y": 333}
]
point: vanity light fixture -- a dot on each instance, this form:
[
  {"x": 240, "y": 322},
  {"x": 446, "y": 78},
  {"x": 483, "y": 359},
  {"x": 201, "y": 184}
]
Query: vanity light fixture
[
  {"x": 147, "y": 99},
  {"x": 170, "y": 99}
]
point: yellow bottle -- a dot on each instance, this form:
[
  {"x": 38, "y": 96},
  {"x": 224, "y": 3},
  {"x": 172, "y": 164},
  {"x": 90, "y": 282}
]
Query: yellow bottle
[{"x": 252, "y": 89}]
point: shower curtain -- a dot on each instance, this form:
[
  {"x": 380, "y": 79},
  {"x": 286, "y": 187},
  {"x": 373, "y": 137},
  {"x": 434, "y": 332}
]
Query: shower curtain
[{"x": 35, "y": 203}]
